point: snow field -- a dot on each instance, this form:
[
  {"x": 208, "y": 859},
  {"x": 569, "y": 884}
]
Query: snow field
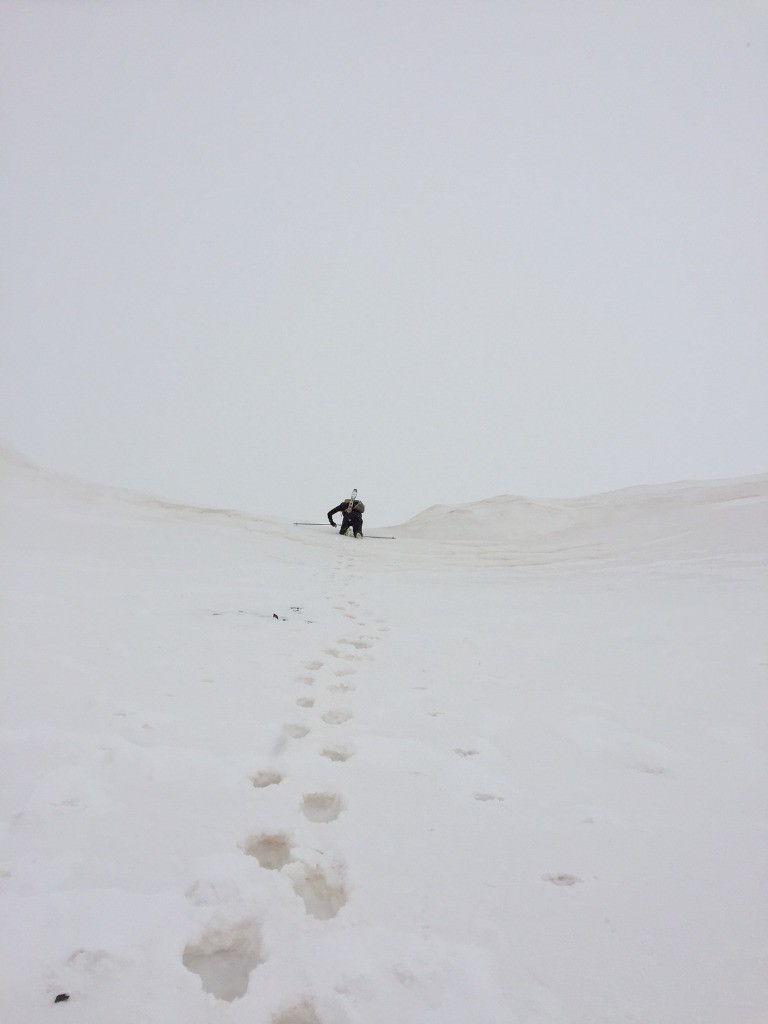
[{"x": 480, "y": 777}]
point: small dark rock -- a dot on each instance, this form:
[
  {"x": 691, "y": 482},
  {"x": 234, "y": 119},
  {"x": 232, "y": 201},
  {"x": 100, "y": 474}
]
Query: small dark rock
[
  {"x": 62, "y": 997},
  {"x": 274, "y": 615}
]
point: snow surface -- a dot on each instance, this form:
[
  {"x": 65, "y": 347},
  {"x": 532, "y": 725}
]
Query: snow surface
[{"x": 508, "y": 768}]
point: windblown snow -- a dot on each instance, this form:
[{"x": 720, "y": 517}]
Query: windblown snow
[{"x": 509, "y": 768}]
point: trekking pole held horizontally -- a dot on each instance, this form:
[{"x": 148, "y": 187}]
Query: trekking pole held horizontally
[{"x": 370, "y": 536}]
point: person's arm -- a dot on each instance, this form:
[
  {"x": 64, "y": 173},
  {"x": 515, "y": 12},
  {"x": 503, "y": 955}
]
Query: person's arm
[{"x": 332, "y": 513}]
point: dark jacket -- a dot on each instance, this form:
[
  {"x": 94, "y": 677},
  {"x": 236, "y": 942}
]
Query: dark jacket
[{"x": 347, "y": 508}]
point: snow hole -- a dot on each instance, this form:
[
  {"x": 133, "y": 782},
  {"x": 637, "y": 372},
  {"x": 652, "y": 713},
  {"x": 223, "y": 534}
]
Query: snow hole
[
  {"x": 271, "y": 851},
  {"x": 296, "y": 732},
  {"x": 336, "y": 717},
  {"x": 321, "y": 897},
  {"x": 336, "y": 754},
  {"x": 263, "y": 779},
  {"x": 322, "y": 806},
  {"x": 224, "y": 959},
  {"x": 304, "y": 1013}
]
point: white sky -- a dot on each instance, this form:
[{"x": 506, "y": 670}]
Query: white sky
[{"x": 258, "y": 253}]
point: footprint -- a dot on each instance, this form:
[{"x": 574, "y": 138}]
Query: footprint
[
  {"x": 465, "y": 753},
  {"x": 302, "y": 1013},
  {"x": 561, "y": 879},
  {"x": 336, "y": 716},
  {"x": 332, "y": 652},
  {"x": 307, "y": 680},
  {"x": 306, "y": 702},
  {"x": 271, "y": 851},
  {"x": 314, "y": 666},
  {"x": 263, "y": 779},
  {"x": 489, "y": 796},
  {"x": 296, "y": 732},
  {"x": 650, "y": 769},
  {"x": 345, "y": 671},
  {"x": 337, "y": 753},
  {"x": 322, "y": 806},
  {"x": 323, "y": 893},
  {"x": 341, "y": 687},
  {"x": 361, "y": 645},
  {"x": 224, "y": 959}
]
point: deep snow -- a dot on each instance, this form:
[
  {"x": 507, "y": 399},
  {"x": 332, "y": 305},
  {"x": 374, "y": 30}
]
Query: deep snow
[{"x": 508, "y": 768}]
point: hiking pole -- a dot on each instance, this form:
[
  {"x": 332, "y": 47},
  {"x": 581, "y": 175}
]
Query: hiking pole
[{"x": 370, "y": 536}]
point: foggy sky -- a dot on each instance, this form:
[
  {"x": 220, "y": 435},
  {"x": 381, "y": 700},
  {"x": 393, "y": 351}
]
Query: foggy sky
[{"x": 256, "y": 253}]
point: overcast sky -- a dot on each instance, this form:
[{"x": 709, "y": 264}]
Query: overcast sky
[{"x": 258, "y": 253}]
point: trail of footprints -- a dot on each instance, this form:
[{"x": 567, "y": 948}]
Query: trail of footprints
[{"x": 225, "y": 958}]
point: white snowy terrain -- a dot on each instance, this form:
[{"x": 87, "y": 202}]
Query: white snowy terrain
[{"x": 509, "y": 768}]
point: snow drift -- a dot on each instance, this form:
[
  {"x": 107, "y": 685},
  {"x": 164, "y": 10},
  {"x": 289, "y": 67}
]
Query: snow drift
[{"x": 722, "y": 517}]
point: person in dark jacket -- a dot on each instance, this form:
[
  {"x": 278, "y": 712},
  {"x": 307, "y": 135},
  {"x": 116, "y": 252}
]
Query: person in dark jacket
[{"x": 351, "y": 516}]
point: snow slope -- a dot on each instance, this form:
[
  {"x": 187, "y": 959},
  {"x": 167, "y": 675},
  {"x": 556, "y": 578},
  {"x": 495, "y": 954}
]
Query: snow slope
[{"x": 507, "y": 769}]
